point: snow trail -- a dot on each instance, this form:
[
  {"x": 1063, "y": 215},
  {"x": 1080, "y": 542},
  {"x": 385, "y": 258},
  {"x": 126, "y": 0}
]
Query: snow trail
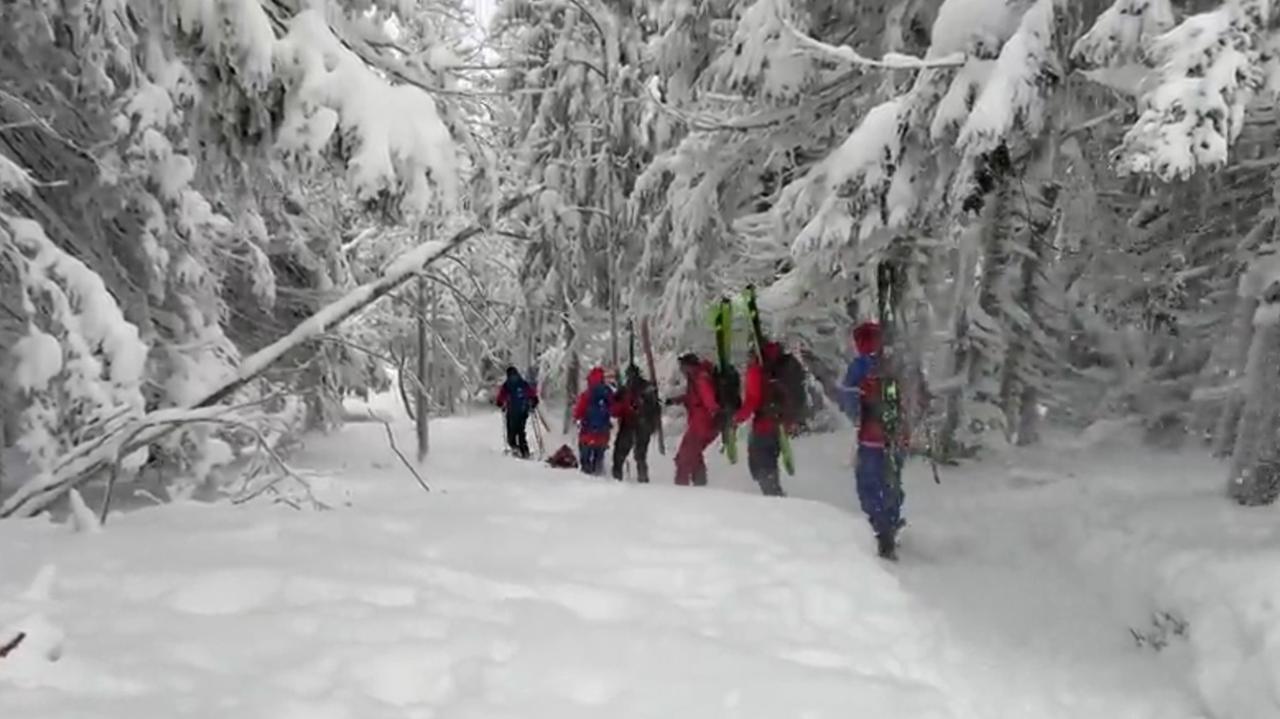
[
  {"x": 1007, "y": 552},
  {"x": 521, "y": 591}
]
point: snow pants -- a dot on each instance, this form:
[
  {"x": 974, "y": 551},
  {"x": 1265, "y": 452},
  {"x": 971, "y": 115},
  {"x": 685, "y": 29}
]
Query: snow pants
[
  {"x": 517, "y": 439},
  {"x": 762, "y": 459},
  {"x": 632, "y": 439},
  {"x": 880, "y": 499},
  {"x": 690, "y": 465},
  {"x": 591, "y": 458}
]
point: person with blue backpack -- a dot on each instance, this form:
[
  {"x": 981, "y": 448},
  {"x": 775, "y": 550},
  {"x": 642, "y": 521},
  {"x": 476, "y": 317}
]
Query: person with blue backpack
[
  {"x": 594, "y": 414},
  {"x": 518, "y": 398}
]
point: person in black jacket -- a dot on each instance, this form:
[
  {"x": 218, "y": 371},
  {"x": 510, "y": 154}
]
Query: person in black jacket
[
  {"x": 638, "y": 411},
  {"x": 517, "y": 398}
]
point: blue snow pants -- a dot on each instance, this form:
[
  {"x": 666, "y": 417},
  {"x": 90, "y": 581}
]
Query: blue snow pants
[
  {"x": 591, "y": 459},
  {"x": 881, "y": 502}
]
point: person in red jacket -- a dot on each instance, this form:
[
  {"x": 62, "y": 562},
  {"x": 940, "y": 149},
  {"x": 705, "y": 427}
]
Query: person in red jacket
[
  {"x": 758, "y": 401},
  {"x": 593, "y": 413},
  {"x": 699, "y": 401}
]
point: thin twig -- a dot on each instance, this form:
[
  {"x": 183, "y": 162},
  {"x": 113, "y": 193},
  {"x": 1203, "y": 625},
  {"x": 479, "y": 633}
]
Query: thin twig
[{"x": 391, "y": 439}]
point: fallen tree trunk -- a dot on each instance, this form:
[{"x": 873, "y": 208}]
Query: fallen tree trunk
[{"x": 89, "y": 458}]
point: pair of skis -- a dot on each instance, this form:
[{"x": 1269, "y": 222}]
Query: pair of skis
[
  {"x": 888, "y": 291},
  {"x": 890, "y": 419},
  {"x": 647, "y": 347},
  {"x": 723, "y": 322}
]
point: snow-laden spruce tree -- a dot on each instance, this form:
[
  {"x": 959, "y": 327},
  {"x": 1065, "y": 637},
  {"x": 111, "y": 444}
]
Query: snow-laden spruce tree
[
  {"x": 574, "y": 70},
  {"x": 1207, "y": 71},
  {"x": 168, "y": 153},
  {"x": 741, "y": 115},
  {"x": 956, "y": 141}
]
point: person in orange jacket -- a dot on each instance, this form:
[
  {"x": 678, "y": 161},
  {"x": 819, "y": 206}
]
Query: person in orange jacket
[
  {"x": 762, "y": 404},
  {"x": 699, "y": 401},
  {"x": 593, "y": 412}
]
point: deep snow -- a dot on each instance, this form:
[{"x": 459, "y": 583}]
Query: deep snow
[{"x": 519, "y": 591}]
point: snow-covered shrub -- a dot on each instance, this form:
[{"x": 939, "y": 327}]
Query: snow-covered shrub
[{"x": 80, "y": 367}]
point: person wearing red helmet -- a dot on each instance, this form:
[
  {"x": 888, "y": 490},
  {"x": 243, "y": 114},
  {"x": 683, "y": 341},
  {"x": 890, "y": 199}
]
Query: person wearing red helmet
[
  {"x": 861, "y": 399},
  {"x": 702, "y": 428}
]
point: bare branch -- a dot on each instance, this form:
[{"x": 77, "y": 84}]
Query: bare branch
[{"x": 391, "y": 440}]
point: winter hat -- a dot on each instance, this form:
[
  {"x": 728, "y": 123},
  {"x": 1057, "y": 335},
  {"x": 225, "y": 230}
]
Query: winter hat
[{"x": 866, "y": 337}]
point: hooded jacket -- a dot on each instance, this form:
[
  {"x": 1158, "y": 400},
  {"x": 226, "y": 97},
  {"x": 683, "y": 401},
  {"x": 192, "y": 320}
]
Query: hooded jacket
[
  {"x": 516, "y": 386},
  {"x": 699, "y": 400},
  {"x": 595, "y": 378},
  {"x": 755, "y": 392}
]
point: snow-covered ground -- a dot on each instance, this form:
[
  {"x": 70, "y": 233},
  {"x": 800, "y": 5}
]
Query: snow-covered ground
[{"x": 519, "y": 591}]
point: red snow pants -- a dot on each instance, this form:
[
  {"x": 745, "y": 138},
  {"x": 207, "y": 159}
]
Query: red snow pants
[{"x": 690, "y": 465}]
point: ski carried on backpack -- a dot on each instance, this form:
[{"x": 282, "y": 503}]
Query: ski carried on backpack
[
  {"x": 647, "y": 347},
  {"x": 723, "y": 321},
  {"x": 757, "y": 335},
  {"x": 890, "y": 409}
]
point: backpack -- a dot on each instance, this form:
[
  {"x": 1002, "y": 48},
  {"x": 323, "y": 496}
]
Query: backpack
[
  {"x": 728, "y": 390},
  {"x": 642, "y": 399},
  {"x": 785, "y": 397},
  {"x": 564, "y": 458},
  {"x": 650, "y": 410},
  {"x": 517, "y": 396},
  {"x": 597, "y": 417}
]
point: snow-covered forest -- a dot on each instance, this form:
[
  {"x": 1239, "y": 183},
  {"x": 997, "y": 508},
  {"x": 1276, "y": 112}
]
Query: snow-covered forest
[
  {"x": 213, "y": 210},
  {"x": 222, "y": 219}
]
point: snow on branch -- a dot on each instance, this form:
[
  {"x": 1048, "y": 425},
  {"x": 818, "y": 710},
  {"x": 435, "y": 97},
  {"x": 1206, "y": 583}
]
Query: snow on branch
[
  {"x": 1014, "y": 96},
  {"x": 1123, "y": 32},
  {"x": 1209, "y": 70},
  {"x": 400, "y": 144},
  {"x": 77, "y": 334},
  {"x": 890, "y": 61},
  {"x": 845, "y": 198}
]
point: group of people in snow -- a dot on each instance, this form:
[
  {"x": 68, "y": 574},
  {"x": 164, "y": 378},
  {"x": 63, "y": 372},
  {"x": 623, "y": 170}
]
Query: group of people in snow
[{"x": 712, "y": 407}]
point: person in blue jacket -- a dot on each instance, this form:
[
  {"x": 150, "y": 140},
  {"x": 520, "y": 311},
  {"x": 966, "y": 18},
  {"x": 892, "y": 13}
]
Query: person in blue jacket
[{"x": 860, "y": 399}]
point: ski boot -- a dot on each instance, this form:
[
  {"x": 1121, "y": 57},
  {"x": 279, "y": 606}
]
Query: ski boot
[{"x": 886, "y": 547}]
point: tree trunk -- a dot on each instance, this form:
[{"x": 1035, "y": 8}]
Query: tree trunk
[
  {"x": 423, "y": 402},
  {"x": 1224, "y": 434},
  {"x": 572, "y": 376},
  {"x": 963, "y": 268},
  {"x": 1256, "y": 434}
]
